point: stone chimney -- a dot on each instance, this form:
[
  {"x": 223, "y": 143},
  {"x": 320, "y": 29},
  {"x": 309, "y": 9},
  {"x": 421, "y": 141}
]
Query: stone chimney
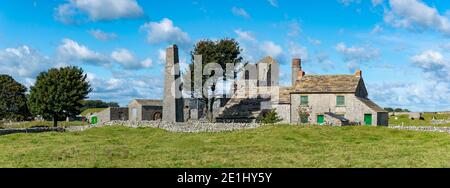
[
  {"x": 358, "y": 73},
  {"x": 296, "y": 69}
]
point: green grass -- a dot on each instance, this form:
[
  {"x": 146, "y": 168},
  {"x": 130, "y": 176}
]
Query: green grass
[
  {"x": 269, "y": 146},
  {"x": 91, "y": 110},
  {"x": 28, "y": 124},
  {"x": 427, "y": 122}
]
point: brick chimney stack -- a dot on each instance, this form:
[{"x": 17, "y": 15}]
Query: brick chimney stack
[
  {"x": 358, "y": 73},
  {"x": 296, "y": 70}
]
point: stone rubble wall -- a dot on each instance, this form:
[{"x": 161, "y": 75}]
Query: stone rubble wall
[
  {"x": 186, "y": 127},
  {"x": 422, "y": 128}
]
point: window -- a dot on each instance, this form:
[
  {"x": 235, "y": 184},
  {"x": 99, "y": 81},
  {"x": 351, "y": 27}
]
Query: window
[
  {"x": 340, "y": 101},
  {"x": 304, "y": 100}
]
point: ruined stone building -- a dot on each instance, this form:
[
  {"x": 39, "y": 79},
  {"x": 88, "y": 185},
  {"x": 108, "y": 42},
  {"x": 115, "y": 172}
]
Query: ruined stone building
[{"x": 310, "y": 99}]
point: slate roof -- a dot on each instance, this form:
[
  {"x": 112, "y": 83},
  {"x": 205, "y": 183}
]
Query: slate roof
[
  {"x": 371, "y": 105},
  {"x": 327, "y": 84},
  {"x": 149, "y": 102},
  {"x": 285, "y": 95}
]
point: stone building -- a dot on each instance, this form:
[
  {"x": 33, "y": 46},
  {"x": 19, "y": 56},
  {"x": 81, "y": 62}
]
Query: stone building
[
  {"x": 145, "y": 110},
  {"x": 311, "y": 99},
  {"x": 112, "y": 114},
  {"x": 334, "y": 100}
]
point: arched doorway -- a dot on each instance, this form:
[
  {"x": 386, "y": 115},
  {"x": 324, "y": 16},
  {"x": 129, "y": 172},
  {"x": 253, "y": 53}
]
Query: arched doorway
[{"x": 157, "y": 116}]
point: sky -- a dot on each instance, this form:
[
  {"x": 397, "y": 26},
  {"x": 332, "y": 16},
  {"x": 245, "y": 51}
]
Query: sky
[{"x": 401, "y": 46}]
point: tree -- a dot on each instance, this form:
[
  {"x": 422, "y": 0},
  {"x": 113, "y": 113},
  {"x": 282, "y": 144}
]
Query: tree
[
  {"x": 97, "y": 104},
  {"x": 398, "y": 110},
  {"x": 13, "y": 101},
  {"x": 271, "y": 117},
  {"x": 222, "y": 52},
  {"x": 389, "y": 109},
  {"x": 58, "y": 93}
]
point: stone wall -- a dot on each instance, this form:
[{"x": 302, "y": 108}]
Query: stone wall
[{"x": 187, "y": 127}]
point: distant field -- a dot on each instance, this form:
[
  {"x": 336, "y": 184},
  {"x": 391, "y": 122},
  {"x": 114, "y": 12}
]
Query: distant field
[
  {"x": 427, "y": 122},
  {"x": 29, "y": 124},
  {"x": 269, "y": 146}
]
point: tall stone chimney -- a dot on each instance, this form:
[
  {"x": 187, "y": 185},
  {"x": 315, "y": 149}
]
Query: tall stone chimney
[
  {"x": 297, "y": 72},
  {"x": 173, "y": 103},
  {"x": 358, "y": 73}
]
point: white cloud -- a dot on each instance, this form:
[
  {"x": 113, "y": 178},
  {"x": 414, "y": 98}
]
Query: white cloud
[
  {"x": 97, "y": 10},
  {"x": 23, "y": 63},
  {"x": 245, "y": 35},
  {"x": 240, "y": 12},
  {"x": 165, "y": 31},
  {"x": 161, "y": 56},
  {"x": 355, "y": 56},
  {"x": 434, "y": 65},
  {"x": 348, "y": 2},
  {"x": 124, "y": 86},
  {"x": 271, "y": 49},
  {"x": 416, "y": 15},
  {"x": 274, "y": 3},
  {"x": 377, "y": 2},
  {"x": 101, "y": 35},
  {"x": 298, "y": 51},
  {"x": 69, "y": 51},
  {"x": 377, "y": 29},
  {"x": 128, "y": 60}
]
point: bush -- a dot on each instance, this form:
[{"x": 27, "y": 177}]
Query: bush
[{"x": 271, "y": 117}]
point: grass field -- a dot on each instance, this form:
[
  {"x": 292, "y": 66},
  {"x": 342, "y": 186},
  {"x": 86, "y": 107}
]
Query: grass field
[
  {"x": 28, "y": 124},
  {"x": 427, "y": 122},
  {"x": 269, "y": 146}
]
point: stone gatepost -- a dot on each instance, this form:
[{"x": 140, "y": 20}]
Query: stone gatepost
[{"x": 173, "y": 103}]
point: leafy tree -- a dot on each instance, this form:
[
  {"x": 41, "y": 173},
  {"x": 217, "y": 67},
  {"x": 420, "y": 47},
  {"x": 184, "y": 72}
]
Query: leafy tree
[
  {"x": 97, "y": 104},
  {"x": 222, "y": 52},
  {"x": 398, "y": 110},
  {"x": 13, "y": 101},
  {"x": 389, "y": 109},
  {"x": 271, "y": 117},
  {"x": 58, "y": 93}
]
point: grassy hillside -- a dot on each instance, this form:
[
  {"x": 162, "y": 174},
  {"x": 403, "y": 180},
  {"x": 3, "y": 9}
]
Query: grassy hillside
[
  {"x": 270, "y": 146},
  {"x": 399, "y": 119}
]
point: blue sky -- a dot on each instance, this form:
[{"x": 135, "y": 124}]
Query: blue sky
[{"x": 402, "y": 46}]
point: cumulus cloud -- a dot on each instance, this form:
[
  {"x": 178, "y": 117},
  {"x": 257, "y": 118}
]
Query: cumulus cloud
[
  {"x": 165, "y": 32},
  {"x": 416, "y": 15},
  {"x": 355, "y": 56},
  {"x": 70, "y": 51},
  {"x": 97, "y": 10},
  {"x": 245, "y": 35},
  {"x": 101, "y": 35},
  {"x": 128, "y": 60},
  {"x": 23, "y": 63},
  {"x": 434, "y": 65},
  {"x": 124, "y": 86},
  {"x": 271, "y": 49},
  {"x": 299, "y": 51},
  {"x": 240, "y": 12}
]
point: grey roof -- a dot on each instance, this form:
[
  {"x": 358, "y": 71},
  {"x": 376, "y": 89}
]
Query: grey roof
[
  {"x": 327, "y": 84},
  {"x": 371, "y": 105},
  {"x": 149, "y": 102}
]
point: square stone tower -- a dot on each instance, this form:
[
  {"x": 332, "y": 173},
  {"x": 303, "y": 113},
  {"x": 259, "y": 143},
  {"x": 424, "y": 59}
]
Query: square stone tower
[{"x": 173, "y": 103}]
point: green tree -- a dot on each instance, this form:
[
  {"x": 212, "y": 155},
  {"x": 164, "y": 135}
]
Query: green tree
[
  {"x": 58, "y": 93},
  {"x": 97, "y": 104},
  {"x": 222, "y": 52},
  {"x": 398, "y": 110},
  {"x": 389, "y": 109},
  {"x": 271, "y": 117},
  {"x": 13, "y": 101}
]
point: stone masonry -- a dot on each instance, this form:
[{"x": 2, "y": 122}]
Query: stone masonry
[{"x": 173, "y": 102}]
